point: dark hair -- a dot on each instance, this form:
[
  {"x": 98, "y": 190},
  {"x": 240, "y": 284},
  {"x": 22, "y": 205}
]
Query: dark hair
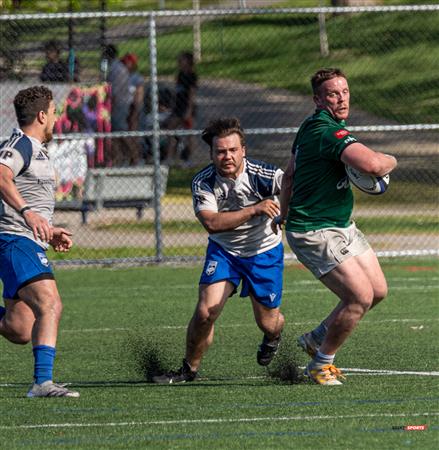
[
  {"x": 29, "y": 102},
  {"x": 188, "y": 56},
  {"x": 222, "y": 128},
  {"x": 323, "y": 75},
  {"x": 110, "y": 51},
  {"x": 52, "y": 46}
]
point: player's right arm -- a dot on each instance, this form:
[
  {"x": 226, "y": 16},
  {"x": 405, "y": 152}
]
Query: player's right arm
[
  {"x": 9, "y": 194},
  {"x": 215, "y": 222},
  {"x": 367, "y": 160}
]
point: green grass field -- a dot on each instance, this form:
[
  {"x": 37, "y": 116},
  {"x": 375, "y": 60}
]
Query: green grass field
[{"x": 116, "y": 321}]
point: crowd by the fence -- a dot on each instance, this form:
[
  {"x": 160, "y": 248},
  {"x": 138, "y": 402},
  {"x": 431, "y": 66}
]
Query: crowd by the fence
[{"x": 124, "y": 104}]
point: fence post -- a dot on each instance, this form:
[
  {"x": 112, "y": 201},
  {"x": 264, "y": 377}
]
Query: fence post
[
  {"x": 197, "y": 32},
  {"x": 155, "y": 136},
  {"x": 324, "y": 46}
]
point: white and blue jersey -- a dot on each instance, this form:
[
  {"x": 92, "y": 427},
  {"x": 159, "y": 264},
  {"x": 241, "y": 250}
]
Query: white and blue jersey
[
  {"x": 23, "y": 258},
  {"x": 34, "y": 178},
  {"x": 251, "y": 253},
  {"x": 258, "y": 181}
]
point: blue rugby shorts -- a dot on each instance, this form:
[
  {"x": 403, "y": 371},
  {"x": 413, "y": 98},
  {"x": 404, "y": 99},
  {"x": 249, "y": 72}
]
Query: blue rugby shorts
[
  {"x": 261, "y": 275},
  {"x": 22, "y": 261}
]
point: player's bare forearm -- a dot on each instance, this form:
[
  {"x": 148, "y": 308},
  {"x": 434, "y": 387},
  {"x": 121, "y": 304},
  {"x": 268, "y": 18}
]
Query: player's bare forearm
[
  {"x": 215, "y": 222},
  {"x": 368, "y": 161}
]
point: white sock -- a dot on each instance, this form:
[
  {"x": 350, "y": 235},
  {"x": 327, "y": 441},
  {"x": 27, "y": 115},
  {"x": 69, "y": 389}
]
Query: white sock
[{"x": 322, "y": 360}]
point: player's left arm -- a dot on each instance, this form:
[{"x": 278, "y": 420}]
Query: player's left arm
[
  {"x": 367, "y": 160},
  {"x": 62, "y": 239}
]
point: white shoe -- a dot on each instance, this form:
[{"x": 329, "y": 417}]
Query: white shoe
[{"x": 50, "y": 389}]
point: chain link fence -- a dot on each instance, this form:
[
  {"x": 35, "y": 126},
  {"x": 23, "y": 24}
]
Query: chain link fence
[{"x": 251, "y": 63}]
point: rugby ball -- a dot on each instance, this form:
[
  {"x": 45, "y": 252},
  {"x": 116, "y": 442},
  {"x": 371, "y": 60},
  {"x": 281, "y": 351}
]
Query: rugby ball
[{"x": 368, "y": 183}]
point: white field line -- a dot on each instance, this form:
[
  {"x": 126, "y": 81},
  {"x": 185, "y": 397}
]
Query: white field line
[
  {"x": 349, "y": 371},
  {"x": 358, "y": 371},
  {"x": 194, "y": 286},
  {"x": 420, "y": 287},
  {"x": 238, "y": 325},
  {"x": 305, "y": 288},
  {"x": 353, "y": 371},
  {"x": 388, "y": 372},
  {"x": 210, "y": 421}
]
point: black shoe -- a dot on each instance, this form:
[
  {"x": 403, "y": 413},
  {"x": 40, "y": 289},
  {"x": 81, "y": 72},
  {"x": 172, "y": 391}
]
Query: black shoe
[
  {"x": 183, "y": 374},
  {"x": 267, "y": 350}
]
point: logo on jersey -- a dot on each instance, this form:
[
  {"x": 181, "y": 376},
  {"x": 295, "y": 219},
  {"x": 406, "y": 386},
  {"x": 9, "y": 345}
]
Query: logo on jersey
[
  {"x": 211, "y": 267},
  {"x": 41, "y": 156},
  {"x": 43, "y": 259},
  {"x": 343, "y": 183},
  {"x": 5, "y": 154},
  {"x": 350, "y": 139},
  {"x": 272, "y": 297},
  {"x": 341, "y": 133}
]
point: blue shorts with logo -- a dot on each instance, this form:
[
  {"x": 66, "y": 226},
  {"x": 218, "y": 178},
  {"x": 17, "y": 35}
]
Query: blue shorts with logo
[
  {"x": 22, "y": 261},
  {"x": 261, "y": 275}
]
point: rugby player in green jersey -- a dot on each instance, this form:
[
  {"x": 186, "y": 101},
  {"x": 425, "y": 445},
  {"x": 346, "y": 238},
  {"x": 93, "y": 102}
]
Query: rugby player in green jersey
[{"x": 316, "y": 207}]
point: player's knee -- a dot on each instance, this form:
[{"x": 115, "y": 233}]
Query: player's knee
[
  {"x": 206, "y": 316},
  {"x": 271, "y": 324},
  {"x": 364, "y": 303}
]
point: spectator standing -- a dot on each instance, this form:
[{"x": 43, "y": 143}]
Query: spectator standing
[
  {"x": 118, "y": 77},
  {"x": 184, "y": 110},
  {"x": 136, "y": 89},
  {"x": 55, "y": 69},
  {"x": 137, "y": 93}
]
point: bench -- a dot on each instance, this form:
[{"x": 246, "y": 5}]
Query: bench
[{"x": 117, "y": 187}]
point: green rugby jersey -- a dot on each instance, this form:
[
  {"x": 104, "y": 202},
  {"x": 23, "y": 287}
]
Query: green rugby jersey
[{"x": 322, "y": 196}]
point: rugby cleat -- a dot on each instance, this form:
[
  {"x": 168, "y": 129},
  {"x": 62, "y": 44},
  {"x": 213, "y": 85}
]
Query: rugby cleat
[
  {"x": 182, "y": 375},
  {"x": 326, "y": 375},
  {"x": 308, "y": 344},
  {"x": 267, "y": 350},
  {"x": 51, "y": 389}
]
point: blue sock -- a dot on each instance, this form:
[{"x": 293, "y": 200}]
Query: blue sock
[
  {"x": 2, "y": 312},
  {"x": 44, "y": 358},
  {"x": 319, "y": 333}
]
